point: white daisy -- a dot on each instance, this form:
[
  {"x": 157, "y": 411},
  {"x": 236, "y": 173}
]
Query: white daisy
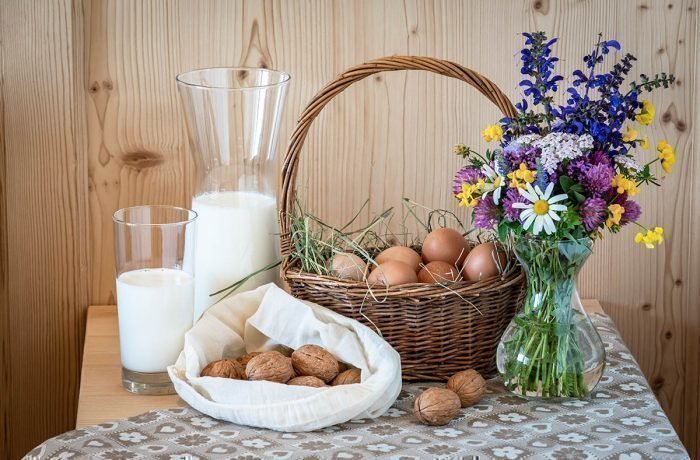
[
  {"x": 541, "y": 210},
  {"x": 494, "y": 184}
]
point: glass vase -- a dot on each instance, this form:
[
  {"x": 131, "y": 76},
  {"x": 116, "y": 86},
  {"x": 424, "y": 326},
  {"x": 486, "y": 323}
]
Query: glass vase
[{"x": 551, "y": 348}]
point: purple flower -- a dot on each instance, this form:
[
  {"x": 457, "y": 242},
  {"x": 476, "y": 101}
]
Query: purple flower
[
  {"x": 466, "y": 175},
  {"x": 510, "y": 213},
  {"x": 578, "y": 167},
  {"x": 600, "y": 157},
  {"x": 632, "y": 210},
  {"x": 597, "y": 179},
  {"x": 593, "y": 212},
  {"x": 486, "y": 214},
  {"x": 516, "y": 153}
]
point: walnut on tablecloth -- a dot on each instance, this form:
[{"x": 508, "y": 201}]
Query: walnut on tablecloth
[
  {"x": 469, "y": 385},
  {"x": 436, "y": 406}
]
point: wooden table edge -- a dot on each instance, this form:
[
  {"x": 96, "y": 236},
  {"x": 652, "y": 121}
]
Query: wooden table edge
[{"x": 102, "y": 397}]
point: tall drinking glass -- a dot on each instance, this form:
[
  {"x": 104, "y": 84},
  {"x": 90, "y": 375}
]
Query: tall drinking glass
[
  {"x": 155, "y": 292},
  {"x": 233, "y": 117}
]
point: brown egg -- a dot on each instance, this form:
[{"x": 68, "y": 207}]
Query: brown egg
[
  {"x": 438, "y": 272},
  {"x": 392, "y": 273},
  {"x": 400, "y": 254},
  {"x": 348, "y": 266},
  {"x": 481, "y": 262},
  {"x": 445, "y": 245}
]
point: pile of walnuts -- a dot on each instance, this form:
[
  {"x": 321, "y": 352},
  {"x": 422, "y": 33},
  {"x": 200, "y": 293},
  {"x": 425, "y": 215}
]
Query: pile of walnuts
[
  {"x": 437, "y": 406},
  {"x": 309, "y": 365}
]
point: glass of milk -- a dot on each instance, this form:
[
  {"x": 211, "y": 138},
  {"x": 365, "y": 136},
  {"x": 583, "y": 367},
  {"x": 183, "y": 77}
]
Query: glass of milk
[
  {"x": 233, "y": 116},
  {"x": 155, "y": 292}
]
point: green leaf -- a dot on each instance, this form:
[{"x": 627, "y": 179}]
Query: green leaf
[
  {"x": 566, "y": 183},
  {"x": 503, "y": 231}
]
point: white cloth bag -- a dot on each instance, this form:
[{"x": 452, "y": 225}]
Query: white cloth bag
[{"x": 261, "y": 319}]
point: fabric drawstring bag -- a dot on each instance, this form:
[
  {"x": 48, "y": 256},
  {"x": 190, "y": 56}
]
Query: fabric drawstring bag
[{"x": 268, "y": 317}]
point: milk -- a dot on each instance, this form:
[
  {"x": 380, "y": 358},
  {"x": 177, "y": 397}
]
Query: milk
[
  {"x": 155, "y": 310},
  {"x": 237, "y": 234}
]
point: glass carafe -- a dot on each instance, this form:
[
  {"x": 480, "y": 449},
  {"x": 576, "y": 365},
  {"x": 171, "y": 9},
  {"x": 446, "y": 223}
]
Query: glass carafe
[{"x": 233, "y": 117}]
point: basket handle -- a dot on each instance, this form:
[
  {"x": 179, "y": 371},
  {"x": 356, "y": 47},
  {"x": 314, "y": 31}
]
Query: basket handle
[{"x": 347, "y": 78}]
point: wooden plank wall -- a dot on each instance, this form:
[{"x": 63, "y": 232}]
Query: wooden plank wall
[
  {"x": 90, "y": 122},
  {"x": 44, "y": 216}
]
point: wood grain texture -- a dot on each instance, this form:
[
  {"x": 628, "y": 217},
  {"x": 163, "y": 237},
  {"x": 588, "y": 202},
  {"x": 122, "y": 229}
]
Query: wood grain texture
[
  {"x": 102, "y": 396},
  {"x": 4, "y": 271},
  {"x": 113, "y": 63},
  {"x": 690, "y": 312},
  {"x": 45, "y": 224}
]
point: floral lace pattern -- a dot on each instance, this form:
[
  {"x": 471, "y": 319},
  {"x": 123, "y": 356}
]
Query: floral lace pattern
[{"x": 622, "y": 419}]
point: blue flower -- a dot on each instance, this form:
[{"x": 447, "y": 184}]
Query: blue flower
[{"x": 595, "y": 102}]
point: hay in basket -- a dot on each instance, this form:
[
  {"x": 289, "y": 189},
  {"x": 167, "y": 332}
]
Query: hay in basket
[{"x": 437, "y": 331}]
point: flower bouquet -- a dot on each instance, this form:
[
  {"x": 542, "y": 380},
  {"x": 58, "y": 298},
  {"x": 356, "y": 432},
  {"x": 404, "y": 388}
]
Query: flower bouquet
[{"x": 561, "y": 176}]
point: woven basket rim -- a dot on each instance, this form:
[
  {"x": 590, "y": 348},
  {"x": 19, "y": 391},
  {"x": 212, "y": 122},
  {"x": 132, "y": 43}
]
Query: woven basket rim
[{"x": 360, "y": 289}]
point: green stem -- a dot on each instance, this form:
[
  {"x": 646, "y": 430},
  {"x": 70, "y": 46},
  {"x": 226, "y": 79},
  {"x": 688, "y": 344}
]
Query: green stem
[{"x": 544, "y": 357}]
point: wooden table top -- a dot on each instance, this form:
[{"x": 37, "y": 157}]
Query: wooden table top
[{"x": 102, "y": 397}]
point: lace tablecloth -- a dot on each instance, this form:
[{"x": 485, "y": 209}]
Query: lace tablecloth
[{"x": 621, "y": 420}]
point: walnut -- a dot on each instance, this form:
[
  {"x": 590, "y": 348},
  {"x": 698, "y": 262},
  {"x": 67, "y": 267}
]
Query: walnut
[
  {"x": 247, "y": 357},
  {"x": 469, "y": 385},
  {"x": 307, "y": 381},
  {"x": 271, "y": 366},
  {"x": 342, "y": 367},
  {"x": 436, "y": 406},
  {"x": 347, "y": 377},
  {"x": 314, "y": 360},
  {"x": 226, "y": 368}
]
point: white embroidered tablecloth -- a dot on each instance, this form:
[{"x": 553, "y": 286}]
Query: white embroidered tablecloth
[{"x": 621, "y": 420}]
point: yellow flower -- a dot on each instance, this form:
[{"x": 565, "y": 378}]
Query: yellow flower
[
  {"x": 470, "y": 194},
  {"x": 617, "y": 211},
  {"x": 492, "y": 133},
  {"x": 631, "y": 135},
  {"x": 461, "y": 149},
  {"x": 651, "y": 237},
  {"x": 521, "y": 174},
  {"x": 624, "y": 185},
  {"x": 645, "y": 143},
  {"x": 667, "y": 155},
  {"x": 647, "y": 114}
]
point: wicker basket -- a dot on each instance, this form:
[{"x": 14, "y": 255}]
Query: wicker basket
[{"x": 435, "y": 331}]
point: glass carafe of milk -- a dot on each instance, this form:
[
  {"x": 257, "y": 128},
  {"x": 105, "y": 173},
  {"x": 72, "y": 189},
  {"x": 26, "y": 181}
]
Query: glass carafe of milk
[{"x": 233, "y": 117}]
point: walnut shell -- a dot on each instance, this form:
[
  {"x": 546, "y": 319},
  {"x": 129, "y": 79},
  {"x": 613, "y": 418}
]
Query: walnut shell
[
  {"x": 347, "y": 377},
  {"x": 316, "y": 361},
  {"x": 247, "y": 357},
  {"x": 271, "y": 366},
  {"x": 226, "y": 368},
  {"x": 307, "y": 381},
  {"x": 436, "y": 406},
  {"x": 469, "y": 385}
]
